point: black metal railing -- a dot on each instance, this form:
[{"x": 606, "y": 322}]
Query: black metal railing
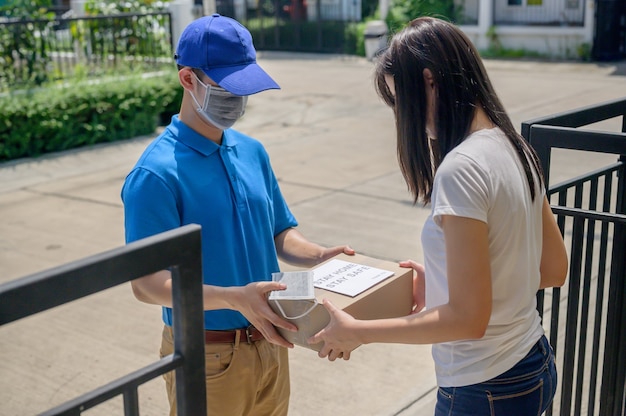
[
  {"x": 43, "y": 50},
  {"x": 179, "y": 250},
  {"x": 297, "y": 25},
  {"x": 590, "y": 338}
]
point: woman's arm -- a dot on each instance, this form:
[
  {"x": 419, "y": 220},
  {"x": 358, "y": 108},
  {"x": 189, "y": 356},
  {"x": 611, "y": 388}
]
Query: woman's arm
[
  {"x": 554, "y": 262},
  {"x": 465, "y": 316}
]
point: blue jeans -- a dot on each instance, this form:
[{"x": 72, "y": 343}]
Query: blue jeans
[{"x": 527, "y": 389}]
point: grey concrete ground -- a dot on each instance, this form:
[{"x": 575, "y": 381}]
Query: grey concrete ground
[{"x": 331, "y": 141}]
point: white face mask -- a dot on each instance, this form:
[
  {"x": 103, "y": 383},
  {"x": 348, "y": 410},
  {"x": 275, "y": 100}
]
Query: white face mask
[
  {"x": 220, "y": 107},
  {"x": 300, "y": 288}
]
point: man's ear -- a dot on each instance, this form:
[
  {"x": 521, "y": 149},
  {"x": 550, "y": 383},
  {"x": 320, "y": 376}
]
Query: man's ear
[{"x": 186, "y": 78}]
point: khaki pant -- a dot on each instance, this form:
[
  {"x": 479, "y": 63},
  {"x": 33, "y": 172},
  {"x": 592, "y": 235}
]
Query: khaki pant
[{"x": 241, "y": 379}]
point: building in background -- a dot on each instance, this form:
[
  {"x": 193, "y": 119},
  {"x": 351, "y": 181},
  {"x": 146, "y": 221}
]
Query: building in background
[
  {"x": 560, "y": 29},
  {"x": 554, "y": 28}
]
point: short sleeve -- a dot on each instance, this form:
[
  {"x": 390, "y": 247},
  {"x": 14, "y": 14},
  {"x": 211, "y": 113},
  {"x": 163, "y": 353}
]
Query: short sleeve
[
  {"x": 283, "y": 218},
  {"x": 461, "y": 188},
  {"x": 149, "y": 205}
]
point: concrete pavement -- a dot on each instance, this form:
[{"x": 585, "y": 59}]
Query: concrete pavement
[{"x": 331, "y": 141}]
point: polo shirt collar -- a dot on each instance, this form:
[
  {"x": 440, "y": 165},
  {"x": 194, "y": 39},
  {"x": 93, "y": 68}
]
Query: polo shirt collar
[{"x": 196, "y": 141}]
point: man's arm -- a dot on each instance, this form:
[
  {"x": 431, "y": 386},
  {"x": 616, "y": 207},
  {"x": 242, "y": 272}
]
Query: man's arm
[
  {"x": 295, "y": 249},
  {"x": 249, "y": 300}
]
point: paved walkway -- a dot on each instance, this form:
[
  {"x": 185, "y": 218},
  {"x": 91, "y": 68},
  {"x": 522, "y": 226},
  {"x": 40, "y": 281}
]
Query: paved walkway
[{"x": 331, "y": 141}]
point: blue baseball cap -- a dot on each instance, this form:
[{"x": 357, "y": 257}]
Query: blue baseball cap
[{"x": 223, "y": 49}]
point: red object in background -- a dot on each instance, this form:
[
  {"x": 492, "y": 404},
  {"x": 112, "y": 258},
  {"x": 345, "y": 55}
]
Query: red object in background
[{"x": 296, "y": 10}]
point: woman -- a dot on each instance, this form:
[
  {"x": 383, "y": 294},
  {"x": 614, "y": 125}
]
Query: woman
[{"x": 490, "y": 243}]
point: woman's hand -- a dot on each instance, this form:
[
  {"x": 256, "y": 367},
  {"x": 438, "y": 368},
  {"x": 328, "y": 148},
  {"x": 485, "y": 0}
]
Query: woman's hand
[
  {"x": 419, "y": 284},
  {"x": 338, "y": 336}
]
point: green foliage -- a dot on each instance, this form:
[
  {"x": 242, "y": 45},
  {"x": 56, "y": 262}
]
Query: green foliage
[
  {"x": 353, "y": 39},
  {"x": 27, "y": 9},
  {"x": 403, "y": 11},
  {"x": 496, "y": 50},
  {"x": 53, "y": 119},
  {"x": 145, "y": 36},
  {"x": 369, "y": 8},
  {"x": 108, "y": 7},
  {"x": 583, "y": 51},
  {"x": 25, "y": 45},
  {"x": 357, "y": 38},
  {"x": 30, "y": 36},
  {"x": 495, "y": 46}
]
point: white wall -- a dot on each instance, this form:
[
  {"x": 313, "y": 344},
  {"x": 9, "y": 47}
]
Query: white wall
[
  {"x": 552, "y": 41},
  {"x": 549, "y": 11},
  {"x": 182, "y": 15}
]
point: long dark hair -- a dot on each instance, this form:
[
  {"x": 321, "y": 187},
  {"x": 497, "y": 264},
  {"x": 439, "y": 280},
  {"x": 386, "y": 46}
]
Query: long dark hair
[{"x": 461, "y": 83}]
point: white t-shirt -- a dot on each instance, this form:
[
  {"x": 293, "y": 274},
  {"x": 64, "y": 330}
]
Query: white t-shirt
[{"x": 483, "y": 178}]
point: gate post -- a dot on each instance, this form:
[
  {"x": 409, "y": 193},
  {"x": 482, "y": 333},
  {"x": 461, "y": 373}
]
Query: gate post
[
  {"x": 606, "y": 362},
  {"x": 613, "y": 382}
]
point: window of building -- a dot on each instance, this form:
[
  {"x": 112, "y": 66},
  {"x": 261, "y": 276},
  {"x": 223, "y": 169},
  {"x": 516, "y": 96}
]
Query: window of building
[{"x": 526, "y": 3}]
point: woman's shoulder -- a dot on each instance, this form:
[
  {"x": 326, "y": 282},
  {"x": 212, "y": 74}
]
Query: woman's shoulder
[
  {"x": 480, "y": 154},
  {"x": 482, "y": 146}
]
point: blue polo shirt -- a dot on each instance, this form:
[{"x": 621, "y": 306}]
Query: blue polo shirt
[{"x": 230, "y": 190}]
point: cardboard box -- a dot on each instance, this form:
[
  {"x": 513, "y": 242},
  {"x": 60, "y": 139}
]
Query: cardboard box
[{"x": 390, "y": 298}]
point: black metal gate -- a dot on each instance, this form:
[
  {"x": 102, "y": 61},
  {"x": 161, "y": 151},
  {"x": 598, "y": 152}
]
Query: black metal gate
[
  {"x": 609, "y": 41},
  {"x": 587, "y": 317},
  {"x": 178, "y": 250},
  {"x": 296, "y": 25}
]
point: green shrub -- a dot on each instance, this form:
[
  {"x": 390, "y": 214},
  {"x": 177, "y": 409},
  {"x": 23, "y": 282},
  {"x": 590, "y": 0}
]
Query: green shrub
[
  {"x": 30, "y": 40},
  {"x": 583, "y": 52},
  {"x": 60, "y": 118},
  {"x": 356, "y": 39},
  {"x": 403, "y": 11},
  {"x": 27, "y": 42}
]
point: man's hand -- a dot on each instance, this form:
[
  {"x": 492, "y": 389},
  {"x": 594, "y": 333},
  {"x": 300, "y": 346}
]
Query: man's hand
[
  {"x": 331, "y": 252},
  {"x": 295, "y": 249},
  {"x": 251, "y": 301}
]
